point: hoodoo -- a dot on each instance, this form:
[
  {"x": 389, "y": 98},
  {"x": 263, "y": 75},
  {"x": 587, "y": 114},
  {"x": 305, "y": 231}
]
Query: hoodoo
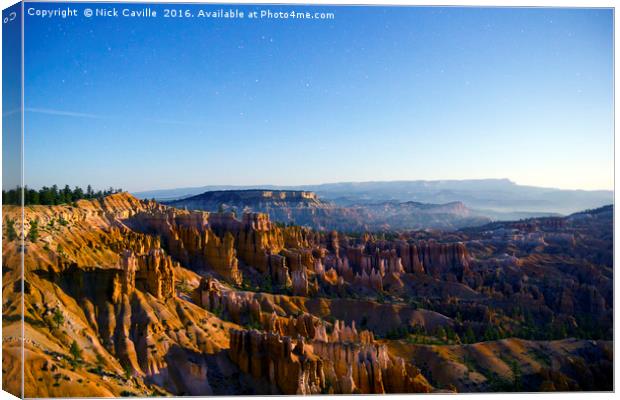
[{"x": 195, "y": 302}]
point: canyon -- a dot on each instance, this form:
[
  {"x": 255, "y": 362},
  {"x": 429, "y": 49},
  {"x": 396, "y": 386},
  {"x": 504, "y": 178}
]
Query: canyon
[{"x": 125, "y": 297}]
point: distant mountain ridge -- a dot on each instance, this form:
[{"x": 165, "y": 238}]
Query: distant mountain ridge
[
  {"x": 307, "y": 209},
  {"x": 249, "y": 197},
  {"x": 493, "y": 195}
]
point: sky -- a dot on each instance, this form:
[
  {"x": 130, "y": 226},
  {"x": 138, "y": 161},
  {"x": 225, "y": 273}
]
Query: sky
[
  {"x": 377, "y": 93},
  {"x": 11, "y": 99}
]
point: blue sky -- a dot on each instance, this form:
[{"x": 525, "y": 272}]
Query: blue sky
[
  {"x": 11, "y": 98},
  {"x": 375, "y": 94}
]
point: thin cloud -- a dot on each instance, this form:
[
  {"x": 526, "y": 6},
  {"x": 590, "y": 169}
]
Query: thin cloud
[
  {"x": 11, "y": 112},
  {"x": 63, "y": 113}
]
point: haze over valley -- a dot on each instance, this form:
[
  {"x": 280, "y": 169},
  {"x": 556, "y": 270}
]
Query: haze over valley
[{"x": 389, "y": 205}]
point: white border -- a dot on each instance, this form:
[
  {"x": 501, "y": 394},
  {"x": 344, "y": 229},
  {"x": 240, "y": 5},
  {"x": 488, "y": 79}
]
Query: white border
[{"x": 482, "y": 3}]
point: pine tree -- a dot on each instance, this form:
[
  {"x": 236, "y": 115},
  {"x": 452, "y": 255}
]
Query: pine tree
[
  {"x": 33, "y": 233},
  {"x": 516, "y": 376},
  {"x": 440, "y": 332},
  {"x": 128, "y": 371},
  {"x": 54, "y": 194},
  {"x": 78, "y": 193},
  {"x": 99, "y": 364},
  {"x": 75, "y": 351},
  {"x": 26, "y": 196},
  {"x": 33, "y": 197},
  {"x": 450, "y": 334},
  {"x": 67, "y": 194},
  {"x": 491, "y": 333},
  {"x": 58, "y": 318},
  {"x": 11, "y": 234},
  {"x": 47, "y": 196},
  {"x": 469, "y": 336}
]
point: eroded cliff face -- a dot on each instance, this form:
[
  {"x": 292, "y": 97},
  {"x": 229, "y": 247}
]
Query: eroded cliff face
[
  {"x": 132, "y": 297},
  {"x": 111, "y": 294},
  {"x": 188, "y": 238},
  {"x": 287, "y": 366},
  {"x": 304, "y": 366}
]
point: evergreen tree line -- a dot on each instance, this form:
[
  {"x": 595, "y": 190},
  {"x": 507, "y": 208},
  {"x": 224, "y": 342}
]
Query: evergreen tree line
[{"x": 53, "y": 195}]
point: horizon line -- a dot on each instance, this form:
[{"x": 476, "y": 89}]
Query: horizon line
[
  {"x": 272, "y": 186},
  {"x": 268, "y": 185}
]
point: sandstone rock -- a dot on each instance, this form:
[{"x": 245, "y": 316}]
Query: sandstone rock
[
  {"x": 300, "y": 282},
  {"x": 189, "y": 239},
  {"x": 270, "y": 356}
]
